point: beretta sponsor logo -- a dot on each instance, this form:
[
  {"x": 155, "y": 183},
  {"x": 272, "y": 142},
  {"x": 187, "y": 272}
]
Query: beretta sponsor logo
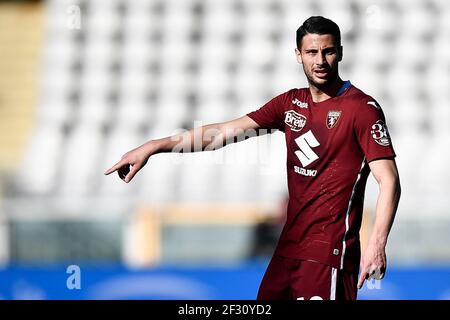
[{"x": 294, "y": 120}]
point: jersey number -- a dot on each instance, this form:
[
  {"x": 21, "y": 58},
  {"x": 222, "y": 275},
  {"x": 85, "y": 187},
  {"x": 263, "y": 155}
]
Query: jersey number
[{"x": 306, "y": 142}]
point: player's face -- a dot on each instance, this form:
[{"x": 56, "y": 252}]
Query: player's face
[{"x": 319, "y": 56}]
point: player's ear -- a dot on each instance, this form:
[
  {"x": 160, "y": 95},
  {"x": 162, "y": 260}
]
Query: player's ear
[
  {"x": 340, "y": 53},
  {"x": 298, "y": 55}
]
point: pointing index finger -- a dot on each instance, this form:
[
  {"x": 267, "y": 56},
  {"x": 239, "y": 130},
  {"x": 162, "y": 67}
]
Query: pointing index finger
[
  {"x": 114, "y": 168},
  {"x": 362, "y": 277}
]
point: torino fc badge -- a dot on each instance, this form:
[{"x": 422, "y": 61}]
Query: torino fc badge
[{"x": 332, "y": 118}]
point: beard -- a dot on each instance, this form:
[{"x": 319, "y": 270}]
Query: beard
[{"x": 323, "y": 83}]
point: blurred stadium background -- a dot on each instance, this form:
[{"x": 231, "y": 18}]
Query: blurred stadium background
[{"x": 82, "y": 82}]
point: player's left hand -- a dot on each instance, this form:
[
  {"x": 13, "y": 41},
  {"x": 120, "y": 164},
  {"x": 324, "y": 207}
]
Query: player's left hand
[{"x": 373, "y": 264}]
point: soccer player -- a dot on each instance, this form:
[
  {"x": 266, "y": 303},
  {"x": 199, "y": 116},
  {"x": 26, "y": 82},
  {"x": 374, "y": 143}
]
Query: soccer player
[{"x": 335, "y": 136}]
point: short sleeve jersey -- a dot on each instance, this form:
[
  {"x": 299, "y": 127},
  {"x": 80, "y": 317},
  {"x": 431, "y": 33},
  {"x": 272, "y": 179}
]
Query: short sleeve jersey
[{"x": 329, "y": 146}]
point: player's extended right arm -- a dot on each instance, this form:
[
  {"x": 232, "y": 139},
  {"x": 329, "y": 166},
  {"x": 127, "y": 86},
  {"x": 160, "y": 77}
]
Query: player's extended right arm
[{"x": 209, "y": 137}]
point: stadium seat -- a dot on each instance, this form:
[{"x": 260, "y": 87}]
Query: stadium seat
[
  {"x": 39, "y": 171},
  {"x": 440, "y": 48},
  {"x": 373, "y": 85},
  {"x": 238, "y": 173},
  {"x": 212, "y": 111},
  {"x": 220, "y": 20},
  {"x": 410, "y": 52},
  {"x": 94, "y": 110},
  {"x": 245, "y": 84},
  {"x": 83, "y": 148},
  {"x": 197, "y": 177},
  {"x": 159, "y": 180},
  {"x": 439, "y": 115},
  {"x": 417, "y": 21},
  {"x": 368, "y": 51},
  {"x": 258, "y": 21},
  {"x": 436, "y": 80},
  {"x": 444, "y": 20},
  {"x": 101, "y": 23},
  {"x": 215, "y": 53},
  {"x": 257, "y": 51},
  {"x": 403, "y": 81},
  {"x": 271, "y": 169},
  {"x": 138, "y": 25},
  {"x": 410, "y": 113},
  {"x": 287, "y": 76},
  {"x": 169, "y": 112},
  {"x": 378, "y": 18},
  {"x": 213, "y": 81}
]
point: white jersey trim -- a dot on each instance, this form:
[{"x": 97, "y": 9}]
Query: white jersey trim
[
  {"x": 347, "y": 214},
  {"x": 333, "y": 284}
]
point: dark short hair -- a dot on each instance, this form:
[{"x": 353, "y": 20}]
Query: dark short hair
[{"x": 318, "y": 25}]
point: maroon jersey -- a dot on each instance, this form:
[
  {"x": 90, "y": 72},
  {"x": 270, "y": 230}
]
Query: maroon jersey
[{"x": 329, "y": 146}]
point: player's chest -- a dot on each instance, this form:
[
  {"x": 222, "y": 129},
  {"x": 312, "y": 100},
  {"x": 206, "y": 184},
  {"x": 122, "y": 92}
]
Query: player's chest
[
  {"x": 326, "y": 124},
  {"x": 313, "y": 135}
]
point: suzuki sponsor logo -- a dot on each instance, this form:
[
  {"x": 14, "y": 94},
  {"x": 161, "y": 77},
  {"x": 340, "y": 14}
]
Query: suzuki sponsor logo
[
  {"x": 305, "y": 172},
  {"x": 294, "y": 120}
]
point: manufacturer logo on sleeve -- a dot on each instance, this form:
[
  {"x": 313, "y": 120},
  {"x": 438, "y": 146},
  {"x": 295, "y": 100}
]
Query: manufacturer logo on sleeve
[
  {"x": 332, "y": 118},
  {"x": 374, "y": 104},
  {"x": 294, "y": 120}
]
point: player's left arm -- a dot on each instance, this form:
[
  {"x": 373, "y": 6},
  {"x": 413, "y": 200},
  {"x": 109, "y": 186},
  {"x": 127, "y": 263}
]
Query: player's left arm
[{"x": 373, "y": 262}]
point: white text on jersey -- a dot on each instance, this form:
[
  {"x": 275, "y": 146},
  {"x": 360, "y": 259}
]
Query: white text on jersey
[
  {"x": 300, "y": 103},
  {"x": 294, "y": 120},
  {"x": 305, "y": 172}
]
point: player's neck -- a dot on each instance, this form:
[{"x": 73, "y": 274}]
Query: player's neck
[{"x": 320, "y": 94}]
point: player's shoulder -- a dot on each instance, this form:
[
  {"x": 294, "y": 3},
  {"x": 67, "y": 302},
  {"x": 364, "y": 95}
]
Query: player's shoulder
[
  {"x": 359, "y": 100},
  {"x": 296, "y": 92},
  {"x": 293, "y": 96},
  {"x": 297, "y": 95}
]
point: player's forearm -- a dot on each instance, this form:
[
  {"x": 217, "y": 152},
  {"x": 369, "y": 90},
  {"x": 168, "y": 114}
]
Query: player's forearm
[
  {"x": 209, "y": 137},
  {"x": 387, "y": 204}
]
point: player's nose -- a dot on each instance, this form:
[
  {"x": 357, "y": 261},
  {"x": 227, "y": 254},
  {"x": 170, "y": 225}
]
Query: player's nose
[{"x": 320, "y": 59}]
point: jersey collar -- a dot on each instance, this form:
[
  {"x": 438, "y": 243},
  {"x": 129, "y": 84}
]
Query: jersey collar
[{"x": 344, "y": 87}]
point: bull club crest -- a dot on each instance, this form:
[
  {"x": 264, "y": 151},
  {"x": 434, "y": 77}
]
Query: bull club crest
[{"x": 332, "y": 118}]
